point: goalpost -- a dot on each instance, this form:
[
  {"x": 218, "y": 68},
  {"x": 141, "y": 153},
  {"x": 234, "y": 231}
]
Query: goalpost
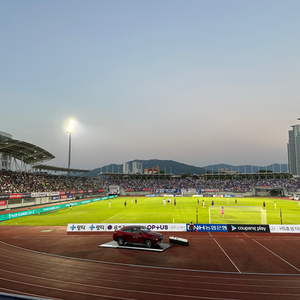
[{"x": 237, "y": 215}]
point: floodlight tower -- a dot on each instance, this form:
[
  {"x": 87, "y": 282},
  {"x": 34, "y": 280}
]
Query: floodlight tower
[{"x": 70, "y": 130}]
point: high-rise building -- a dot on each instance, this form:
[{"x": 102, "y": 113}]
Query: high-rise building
[
  {"x": 4, "y": 159},
  {"x": 137, "y": 167},
  {"x": 126, "y": 168},
  {"x": 293, "y": 148}
]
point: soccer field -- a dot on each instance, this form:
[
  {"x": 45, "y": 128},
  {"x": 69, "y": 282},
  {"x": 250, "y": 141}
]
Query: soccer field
[{"x": 187, "y": 209}]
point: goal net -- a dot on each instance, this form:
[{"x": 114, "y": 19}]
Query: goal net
[{"x": 237, "y": 215}]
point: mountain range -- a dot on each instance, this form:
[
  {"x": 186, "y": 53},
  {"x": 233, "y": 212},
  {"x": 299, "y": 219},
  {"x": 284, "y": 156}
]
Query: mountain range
[{"x": 177, "y": 168}]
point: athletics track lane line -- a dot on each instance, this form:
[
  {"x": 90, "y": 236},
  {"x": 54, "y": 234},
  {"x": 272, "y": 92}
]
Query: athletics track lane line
[
  {"x": 225, "y": 254},
  {"x": 276, "y": 255}
]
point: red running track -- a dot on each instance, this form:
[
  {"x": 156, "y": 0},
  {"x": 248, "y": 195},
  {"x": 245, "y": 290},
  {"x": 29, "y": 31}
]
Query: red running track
[{"x": 47, "y": 262}]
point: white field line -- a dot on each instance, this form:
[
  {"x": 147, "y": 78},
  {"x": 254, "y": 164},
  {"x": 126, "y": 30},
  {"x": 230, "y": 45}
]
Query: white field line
[
  {"x": 227, "y": 256},
  {"x": 110, "y": 217},
  {"x": 293, "y": 222},
  {"x": 276, "y": 255}
]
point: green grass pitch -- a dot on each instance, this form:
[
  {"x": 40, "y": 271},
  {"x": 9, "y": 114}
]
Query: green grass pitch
[{"x": 152, "y": 210}]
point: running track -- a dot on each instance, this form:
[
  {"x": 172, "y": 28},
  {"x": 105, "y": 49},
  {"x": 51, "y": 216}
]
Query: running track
[{"x": 47, "y": 262}]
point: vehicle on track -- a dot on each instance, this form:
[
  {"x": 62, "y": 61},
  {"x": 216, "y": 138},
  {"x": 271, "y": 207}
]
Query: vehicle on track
[{"x": 137, "y": 234}]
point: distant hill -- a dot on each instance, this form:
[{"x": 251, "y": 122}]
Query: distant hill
[
  {"x": 247, "y": 168},
  {"x": 168, "y": 166},
  {"x": 176, "y": 168}
]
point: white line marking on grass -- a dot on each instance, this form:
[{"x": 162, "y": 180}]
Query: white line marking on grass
[
  {"x": 227, "y": 256},
  {"x": 110, "y": 217},
  {"x": 210, "y": 234},
  {"x": 246, "y": 234},
  {"x": 276, "y": 255},
  {"x": 293, "y": 222}
]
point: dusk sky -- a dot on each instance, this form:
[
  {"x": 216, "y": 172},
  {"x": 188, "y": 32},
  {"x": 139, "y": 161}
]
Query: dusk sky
[{"x": 199, "y": 82}]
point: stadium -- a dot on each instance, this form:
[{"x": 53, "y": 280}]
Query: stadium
[{"x": 55, "y": 230}]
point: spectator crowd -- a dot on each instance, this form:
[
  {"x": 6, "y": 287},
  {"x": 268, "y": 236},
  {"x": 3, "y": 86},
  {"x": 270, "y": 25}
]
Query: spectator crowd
[{"x": 24, "y": 182}]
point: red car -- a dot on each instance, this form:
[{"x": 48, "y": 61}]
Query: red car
[{"x": 137, "y": 234}]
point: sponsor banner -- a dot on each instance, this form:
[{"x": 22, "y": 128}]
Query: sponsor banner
[
  {"x": 35, "y": 195},
  {"x": 248, "y": 228},
  {"x": 115, "y": 226},
  {"x": 81, "y": 192},
  {"x": 63, "y": 197},
  {"x": 69, "y": 196},
  {"x": 4, "y": 197},
  {"x": 15, "y": 196},
  {"x": 44, "y": 194},
  {"x": 26, "y": 195},
  {"x": 101, "y": 190},
  {"x": 211, "y": 191},
  {"x": 72, "y": 192},
  {"x": 55, "y": 198},
  {"x": 95, "y": 191},
  {"x": 147, "y": 190},
  {"x": 67, "y": 193},
  {"x": 89, "y": 191},
  {"x": 114, "y": 190},
  {"x": 166, "y": 191},
  {"x": 285, "y": 228},
  {"x": 62, "y": 193},
  {"x": 150, "y": 195},
  {"x": 209, "y": 227},
  {"x": 195, "y": 196},
  {"x": 129, "y": 190},
  {"x": 2, "y": 202},
  {"x": 54, "y": 193},
  {"x": 85, "y": 191},
  {"x": 8, "y": 216}
]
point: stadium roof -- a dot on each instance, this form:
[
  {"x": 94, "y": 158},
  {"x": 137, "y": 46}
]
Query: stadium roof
[
  {"x": 26, "y": 152},
  {"x": 59, "y": 169}
]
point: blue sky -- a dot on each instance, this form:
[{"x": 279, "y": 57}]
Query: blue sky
[{"x": 199, "y": 82}]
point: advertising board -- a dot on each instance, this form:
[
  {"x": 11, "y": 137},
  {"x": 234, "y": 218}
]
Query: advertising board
[
  {"x": 248, "y": 228},
  {"x": 284, "y": 228},
  {"x": 115, "y": 226},
  {"x": 208, "y": 227}
]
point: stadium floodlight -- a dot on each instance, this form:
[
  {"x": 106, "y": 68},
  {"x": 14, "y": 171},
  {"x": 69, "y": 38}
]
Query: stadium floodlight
[{"x": 70, "y": 130}]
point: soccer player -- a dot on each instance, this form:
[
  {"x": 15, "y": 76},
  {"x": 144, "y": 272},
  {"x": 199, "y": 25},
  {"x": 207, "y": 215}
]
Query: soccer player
[{"x": 222, "y": 212}]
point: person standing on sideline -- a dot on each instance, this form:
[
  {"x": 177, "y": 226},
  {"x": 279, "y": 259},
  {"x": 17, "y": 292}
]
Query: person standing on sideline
[
  {"x": 212, "y": 203},
  {"x": 203, "y": 203},
  {"x": 109, "y": 204},
  {"x": 275, "y": 204},
  {"x": 222, "y": 211},
  {"x": 198, "y": 201},
  {"x": 70, "y": 205},
  {"x": 164, "y": 202},
  {"x": 131, "y": 200},
  {"x": 174, "y": 202},
  {"x": 191, "y": 227},
  {"x": 125, "y": 204},
  {"x": 235, "y": 202},
  {"x": 264, "y": 204}
]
